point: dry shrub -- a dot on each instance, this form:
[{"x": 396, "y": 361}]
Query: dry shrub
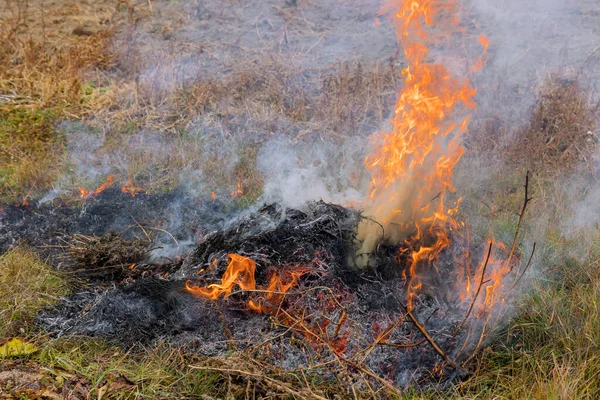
[{"x": 562, "y": 132}]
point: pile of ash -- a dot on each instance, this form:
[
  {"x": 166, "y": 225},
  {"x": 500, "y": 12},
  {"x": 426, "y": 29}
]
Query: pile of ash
[
  {"x": 135, "y": 306},
  {"x": 334, "y": 320}
]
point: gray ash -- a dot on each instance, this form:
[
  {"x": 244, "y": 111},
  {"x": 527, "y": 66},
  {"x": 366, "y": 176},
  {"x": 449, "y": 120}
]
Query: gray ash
[
  {"x": 334, "y": 311},
  {"x": 44, "y": 224}
]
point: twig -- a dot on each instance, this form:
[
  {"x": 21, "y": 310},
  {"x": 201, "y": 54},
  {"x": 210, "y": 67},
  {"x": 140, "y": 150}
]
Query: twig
[
  {"x": 524, "y": 270},
  {"x": 481, "y": 283},
  {"x": 429, "y": 339},
  {"x": 518, "y": 230}
]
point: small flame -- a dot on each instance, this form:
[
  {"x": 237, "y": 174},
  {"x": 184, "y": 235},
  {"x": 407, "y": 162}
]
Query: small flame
[
  {"x": 91, "y": 194},
  {"x": 275, "y": 290},
  {"x": 131, "y": 188},
  {"x": 24, "y": 202},
  {"x": 240, "y": 272},
  {"x": 238, "y": 192}
]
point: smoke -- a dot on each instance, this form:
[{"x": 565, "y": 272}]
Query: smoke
[
  {"x": 537, "y": 49},
  {"x": 530, "y": 41},
  {"x": 322, "y": 170}
]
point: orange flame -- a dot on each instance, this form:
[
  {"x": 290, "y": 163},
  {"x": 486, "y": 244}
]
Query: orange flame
[
  {"x": 412, "y": 166},
  {"x": 240, "y": 271},
  {"x": 131, "y": 188},
  {"x": 238, "y": 192},
  {"x": 275, "y": 290},
  {"x": 87, "y": 194}
]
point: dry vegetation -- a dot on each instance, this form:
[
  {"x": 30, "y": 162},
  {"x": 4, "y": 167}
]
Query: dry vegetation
[
  {"x": 27, "y": 285},
  {"x": 98, "y": 76},
  {"x": 90, "y": 75}
]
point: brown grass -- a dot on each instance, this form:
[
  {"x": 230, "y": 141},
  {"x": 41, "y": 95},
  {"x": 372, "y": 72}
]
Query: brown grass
[
  {"x": 97, "y": 75},
  {"x": 562, "y": 132}
]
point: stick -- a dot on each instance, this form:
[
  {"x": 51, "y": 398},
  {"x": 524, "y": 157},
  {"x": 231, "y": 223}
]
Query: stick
[
  {"x": 518, "y": 230},
  {"x": 481, "y": 283},
  {"x": 432, "y": 342},
  {"x": 525, "y": 270}
]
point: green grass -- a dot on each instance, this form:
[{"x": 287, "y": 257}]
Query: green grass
[
  {"x": 26, "y": 285},
  {"x": 160, "y": 372}
]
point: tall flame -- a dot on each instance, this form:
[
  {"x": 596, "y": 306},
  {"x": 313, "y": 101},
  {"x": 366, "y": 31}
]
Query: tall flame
[{"x": 412, "y": 165}]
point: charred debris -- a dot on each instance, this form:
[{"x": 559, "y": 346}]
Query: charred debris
[{"x": 144, "y": 269}]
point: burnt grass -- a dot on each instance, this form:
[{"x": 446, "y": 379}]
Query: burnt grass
[
  {"x": 128, "y": 260},
  {"x": 40, "y": 225}
]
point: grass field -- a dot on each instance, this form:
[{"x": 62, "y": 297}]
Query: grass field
[{"x": 71, "y": 70}]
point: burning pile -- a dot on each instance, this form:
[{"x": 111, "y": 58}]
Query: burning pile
[{"x": 391, "y": 298}]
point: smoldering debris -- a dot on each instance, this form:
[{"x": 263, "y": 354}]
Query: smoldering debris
[
  {"x": 277, "y": 236},
  {"x": 307, "y": 309}
]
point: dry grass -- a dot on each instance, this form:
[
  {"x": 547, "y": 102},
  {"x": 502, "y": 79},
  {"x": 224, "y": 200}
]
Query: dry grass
[
  {"x": 551, "y": 350},
  {"x": 560, "y": 137},
  {"x": 562, "y": 132},
  {"x": 42, "y": 80},
  {"x": 260, "y": 96},
  {"x": 26, "y": 285},
  {"x": 101, "y": 79}
]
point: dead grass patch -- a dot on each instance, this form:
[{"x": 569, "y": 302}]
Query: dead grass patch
[
  {"x": 562, "y": 131},
  {"x": 560, "y": 136}
]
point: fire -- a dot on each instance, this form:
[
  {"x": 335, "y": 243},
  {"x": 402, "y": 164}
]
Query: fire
[
  {"x": 241, "y": 272},
  {"x": 108, "y": 183},
  {"x": 239, "y": 191},
  {"x": 276, "y": 288},
  {"x": 131, "y": 188},
  {"x": 412, "y": 166}
]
